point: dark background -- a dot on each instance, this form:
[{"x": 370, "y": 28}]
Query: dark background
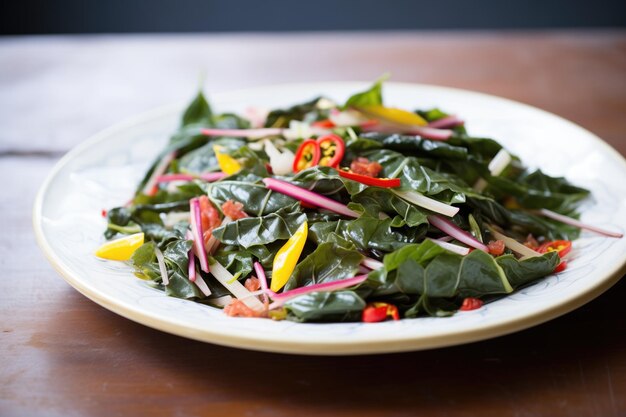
[{"x": 122, "y": 16}]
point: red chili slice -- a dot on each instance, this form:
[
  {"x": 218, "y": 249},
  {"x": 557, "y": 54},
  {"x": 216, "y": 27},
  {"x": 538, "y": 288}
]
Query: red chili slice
[
  {"x": 307, "y": 155},
  {"x": 563, "y": 247},
  {"x": 323, "y": 124},
  {"x": 332, "y": 149},
  {"x": 560, "y": 267},
  {"x": 367, "y": 180}
]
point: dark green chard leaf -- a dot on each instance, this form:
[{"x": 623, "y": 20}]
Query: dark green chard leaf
[
  {"x": 251, "y": 192},
  {"x": 329, "y": 262},
  {"x": 367, "y": 233},
  {"x": 520, "y": 223},
  {"x": 253, "y": 231},
  {"x": 374, "y": 200},
  {"x": 339, "y": 306},
  {"x": 416, "y": 177},
  {"x": 432, "y": 114},
  {"x": 524, "y": 272},
  {"x": 230, "y": 121},
  {"x": 538, "y": 190},
  {"x": 176, "y": 261},
  {"x": 203, "y": 158},
  {"x": 322, "y": 180},
  {"x": 439, "y": 277},
  {"x": 309, "y": 111},
  {"x": 198, "y": 112},
  {"x": 370, "y": 97},
  {"x": 238, "y": 262},
  {"x": 417, "y": 146},
  {"x": 480, "y": 149}
]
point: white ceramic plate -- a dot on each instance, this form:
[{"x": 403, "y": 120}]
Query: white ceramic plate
[{"x": 103, "y": 171}]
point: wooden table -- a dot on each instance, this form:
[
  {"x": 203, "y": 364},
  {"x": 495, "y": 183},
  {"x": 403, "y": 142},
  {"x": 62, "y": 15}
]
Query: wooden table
[{"x": 63, "y": 355}]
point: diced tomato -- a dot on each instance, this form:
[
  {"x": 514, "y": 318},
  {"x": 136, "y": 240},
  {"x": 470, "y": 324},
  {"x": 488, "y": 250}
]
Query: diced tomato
[
  {"x": 364, "y": 166},
  {"x": 234, "y": 210},
  {"x": 238, "y": 308},
  {"x": 496, "y": 247},
  {"x": 375, "y": 312},
  {"x": 471, "y": 303},
  {"x": 210, "y": 217},
  {"x": 103, "y": 213},
  {"x": 252, "y": 284}
]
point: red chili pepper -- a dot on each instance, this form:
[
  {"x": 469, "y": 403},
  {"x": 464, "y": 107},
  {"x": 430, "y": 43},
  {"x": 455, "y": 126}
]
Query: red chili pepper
[
  {"x": 323, "y": 124},
  {"x": 332, "y": 149},
  {"x": 307, "y": 205},
  {"x": 103, "y": 213},
  {"x": 560, "y": 267},
  {"x": 471, "y": 303},
  {"x": 563, "y": 247},
  {"x": 367, "y": 180},
  {"x": 307, "y": 155},
  {"x": 375, "y": 312}
]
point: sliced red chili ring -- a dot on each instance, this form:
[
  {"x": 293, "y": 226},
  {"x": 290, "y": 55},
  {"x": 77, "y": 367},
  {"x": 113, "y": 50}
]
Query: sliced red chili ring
[
  {"x": 332, "y": 149},
  {"x": 563, "y": 247},
  {"x": 374, "y": 182},
  {"x": 307, "y": 155}
]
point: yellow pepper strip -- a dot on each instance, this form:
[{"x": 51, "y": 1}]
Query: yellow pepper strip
[
  {"x": 287, "y": 257},
  {"x": 120, "y": 249},
  {"x": 393, "y": 115},
  {"x": 227, "y": 163}
]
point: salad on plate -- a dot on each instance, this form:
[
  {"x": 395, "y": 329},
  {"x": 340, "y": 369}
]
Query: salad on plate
[{"x": 332, "y": 212}]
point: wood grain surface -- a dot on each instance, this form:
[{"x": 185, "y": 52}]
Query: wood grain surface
[{"x": 63, "y": 355}]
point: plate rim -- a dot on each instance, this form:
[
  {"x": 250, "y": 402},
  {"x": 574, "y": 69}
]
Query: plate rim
[{"x": 399, "y": 344}]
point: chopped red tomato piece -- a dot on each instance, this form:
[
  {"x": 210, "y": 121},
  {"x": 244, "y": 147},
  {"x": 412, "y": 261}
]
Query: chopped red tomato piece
[
  {"x": 496, "y": 247},
  {"x": 234, "y": 210},
  {"x": 363, "y": 166},
  {"x": 332, "y": 149},
  {"x": 471, "y": 303},
  {"x": 238, "y": 308},
  {"x": 252, "y": 284},
  {"x": 367, "y": 180},
  {"x": 103, "y": 213},
  {"x": 210, "y": 217},
  {"x": 307, "y": 155},
  {"x": 563, "y": 247},
  {"x": 375, "y": 312}
]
